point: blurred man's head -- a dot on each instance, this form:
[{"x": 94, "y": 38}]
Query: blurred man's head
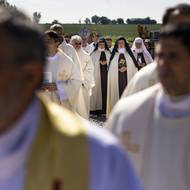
[
  {"x": 22, "y": 58},
  {"x": 177, "y": 14},
  {"x": 52, "y": 40},
  {"x": 173, "y": 59},
  {"x": 58, "y": 29}
]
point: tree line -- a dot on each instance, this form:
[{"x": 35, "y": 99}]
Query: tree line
[{"x": 105, "y": 20}]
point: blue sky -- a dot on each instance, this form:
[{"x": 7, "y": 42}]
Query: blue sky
[{"x": 70, "y": 11}]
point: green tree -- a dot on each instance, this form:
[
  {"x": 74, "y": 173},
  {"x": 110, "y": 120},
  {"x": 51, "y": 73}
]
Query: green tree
[
  {"x": 95, "y": 19},
  {"x": 120, "y": 21},
  {"x": 87, "y": 21}
]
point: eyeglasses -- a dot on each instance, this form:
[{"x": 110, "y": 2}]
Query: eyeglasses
[{"x": 77, "y": 43}]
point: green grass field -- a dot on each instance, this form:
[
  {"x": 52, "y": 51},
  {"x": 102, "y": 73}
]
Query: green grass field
[{"x": 129, "y": 31}]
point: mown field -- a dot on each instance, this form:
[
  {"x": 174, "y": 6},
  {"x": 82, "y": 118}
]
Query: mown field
[{"x": 129, "y": 31}]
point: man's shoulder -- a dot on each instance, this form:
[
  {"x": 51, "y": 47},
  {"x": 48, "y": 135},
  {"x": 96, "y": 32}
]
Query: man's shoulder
[
  {"x": 100, "y": 137},
  {"x": 64, "y": 56},
  {"x": 135, "y": 102},
  {"x": 61, "y": 119},
  {"x": 133, "y": 111},
  {"x": 69, "y": 124},
  {"x": 67, "y": 47},
  {"x": 147, "y": 71}
]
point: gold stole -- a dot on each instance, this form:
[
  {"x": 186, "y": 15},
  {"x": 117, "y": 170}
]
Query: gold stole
[{"x": 59, "y": 154}]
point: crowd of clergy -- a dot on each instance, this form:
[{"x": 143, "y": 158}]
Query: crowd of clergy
[
  {"x": 49, "y": 87},
  {"x": 153, "y": 124},
  {"x": 90, "y": 78}
]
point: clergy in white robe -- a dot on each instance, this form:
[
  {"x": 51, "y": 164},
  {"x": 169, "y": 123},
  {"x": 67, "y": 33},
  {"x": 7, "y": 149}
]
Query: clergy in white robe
[
  {"x": 100, "y": 58},
  {"x": 143, "y": 79},
  {"x": 140, "y": 52},
  {"x": 154, "y": 124},
  {"x": 122, "y": 68},
  {"x": 88, "y": 73},
  {"x": 67, "y": 48},
  {"x": 63, "y": 73}
]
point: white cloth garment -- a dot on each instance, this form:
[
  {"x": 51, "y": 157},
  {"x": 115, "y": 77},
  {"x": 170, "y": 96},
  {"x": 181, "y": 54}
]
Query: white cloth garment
[
  {"x": 68, "y": 80},
  {"x": 146, "y": 54},
  {"x": 70, "y": 51},
  {"x": 143, "y": 79},
  {"x": 96, "y": 98},
  {"x": 113, "y": 85},
  {"x": 88, "y": 83},
  {"x": 158, "y": 145}
]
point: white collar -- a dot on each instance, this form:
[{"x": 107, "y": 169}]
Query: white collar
[
  {"x": 52, "y": 58},
  {"x": 173, "y": 107}
]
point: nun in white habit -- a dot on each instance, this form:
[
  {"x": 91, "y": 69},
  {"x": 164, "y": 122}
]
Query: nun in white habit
[{"x": 140, "y": 52}]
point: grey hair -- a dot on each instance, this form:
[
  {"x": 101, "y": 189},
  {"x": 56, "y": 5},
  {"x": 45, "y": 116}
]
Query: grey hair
[{"x": 75, "y": 38}]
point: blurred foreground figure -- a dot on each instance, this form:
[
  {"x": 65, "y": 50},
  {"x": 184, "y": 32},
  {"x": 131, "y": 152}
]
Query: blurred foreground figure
[
  {"x": 43, "y": 146},
  {"x": 148, "y": 76},
  {"x": 154, "y": 125}
]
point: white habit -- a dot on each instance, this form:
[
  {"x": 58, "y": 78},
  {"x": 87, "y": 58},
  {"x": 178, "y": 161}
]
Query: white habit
[
  {"x": 113, "y": 84},
  {"x": 96, "y": 98},
  {"x": 143, "y": 50}
]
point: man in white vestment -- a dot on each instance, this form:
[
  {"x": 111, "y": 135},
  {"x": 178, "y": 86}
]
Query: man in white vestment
[
  {"x": 140, "y": 52},
  {"x": 122, "y": 68},
  {"x": 88, "y": 72},
  {"x": 67, "y": 48},
  {"x": 147, "y": 77},
  {"x": 64, "y": 84},
  {"x": 154, "y": 125}
]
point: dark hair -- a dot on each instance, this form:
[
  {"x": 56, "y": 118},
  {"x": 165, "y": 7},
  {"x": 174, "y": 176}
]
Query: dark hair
[
  {"x": 53, "y": 35},
  {"x": 128, "y": 49},
  {"x": 184, "y": 9},
  {"x": 178, "y": 31},
  {"x": 25, "y": 39},
  {"x": 56, "y": 27},
  {"x": 102, "y": 40}
]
